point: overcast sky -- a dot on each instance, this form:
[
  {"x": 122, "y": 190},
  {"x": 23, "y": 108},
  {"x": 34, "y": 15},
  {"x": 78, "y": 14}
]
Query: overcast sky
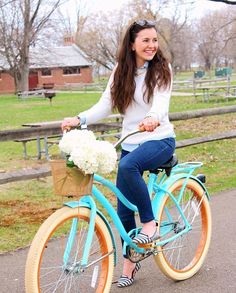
[{"x": 199, "y": 7}]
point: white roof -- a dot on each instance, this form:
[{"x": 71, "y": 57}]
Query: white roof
[{"x": 64, "y": 56}]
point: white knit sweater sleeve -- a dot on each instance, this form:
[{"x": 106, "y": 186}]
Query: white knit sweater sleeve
[
  {"x": 160, "y": 103},
  {"x": 102, "y": 108}
]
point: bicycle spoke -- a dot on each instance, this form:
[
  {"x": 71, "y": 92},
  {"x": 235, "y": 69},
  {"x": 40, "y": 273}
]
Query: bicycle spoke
[
  {"x": 56, "y": 276},
  {"x": 182, "y": 253},
  {"x": 197, "y": 210}
]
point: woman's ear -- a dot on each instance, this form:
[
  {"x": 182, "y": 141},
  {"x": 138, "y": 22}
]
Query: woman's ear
[{"x": 132, "y": 46}]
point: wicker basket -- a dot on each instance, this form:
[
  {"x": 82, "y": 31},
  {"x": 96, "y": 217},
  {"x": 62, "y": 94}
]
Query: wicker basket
[{"x": 70, "y": 181}]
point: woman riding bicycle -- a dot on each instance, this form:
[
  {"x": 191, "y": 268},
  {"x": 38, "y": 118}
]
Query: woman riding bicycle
[{"x": 140, "y": 89}]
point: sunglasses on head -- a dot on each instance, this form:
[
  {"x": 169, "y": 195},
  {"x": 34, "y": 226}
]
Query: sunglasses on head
[{"x": 144, "y": 22}]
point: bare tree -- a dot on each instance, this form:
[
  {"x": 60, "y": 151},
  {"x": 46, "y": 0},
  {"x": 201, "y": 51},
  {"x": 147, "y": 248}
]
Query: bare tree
[
  {"x": 103, "y": 32},
  {"x": 210, "y": 38},
  {"x": 21, "y": 23},
  {"x": 214, "y": 33},
  {"x": 101, "y": 37},
  {"x": 5, "y": 2},
  {"x": 73, "y": 24},
  {"x": 231, "y": 2}
]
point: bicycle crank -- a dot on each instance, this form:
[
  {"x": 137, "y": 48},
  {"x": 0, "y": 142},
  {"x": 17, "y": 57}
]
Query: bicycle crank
[
  {"x": 135, "y": 256},
  {"x": 153, "y": 250}
]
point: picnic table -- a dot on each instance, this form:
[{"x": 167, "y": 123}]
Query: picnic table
[
  {"x": 47, "y": 91},
  {"x": 112, "y": 123},
  {"x": 43, "y": 142},
  {"x": 227, "y": 91}
]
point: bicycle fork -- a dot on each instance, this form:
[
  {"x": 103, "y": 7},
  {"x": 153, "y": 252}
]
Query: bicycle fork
[{"x": 86, "y": 202}]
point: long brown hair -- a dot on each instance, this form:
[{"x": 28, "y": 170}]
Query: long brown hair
[{"x": 158, "y": 72}]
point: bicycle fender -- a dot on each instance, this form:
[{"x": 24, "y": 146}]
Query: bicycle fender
[
  {"x": 159, "y": 196},
  {"x": 76, "y": 204}
]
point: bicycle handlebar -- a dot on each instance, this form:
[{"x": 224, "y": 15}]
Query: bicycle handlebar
[
  {"x": 142, "y": 129},
  {"x": 128, "y": 135}
]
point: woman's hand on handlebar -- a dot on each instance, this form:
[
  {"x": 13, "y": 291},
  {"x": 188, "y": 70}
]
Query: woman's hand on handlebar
[
  {"x": 70, "y": 122},
  {"x": 148, "y": 124}
]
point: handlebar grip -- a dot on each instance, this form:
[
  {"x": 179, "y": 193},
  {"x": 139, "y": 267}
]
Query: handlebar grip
[
  {"x": 66, "y": 129},
  {"x": 142, "y": 129}
]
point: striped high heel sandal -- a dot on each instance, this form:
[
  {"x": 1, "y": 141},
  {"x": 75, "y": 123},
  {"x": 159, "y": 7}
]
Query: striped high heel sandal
[
  {"x": 125, "y": 281},
  {"x": 142, "y": 238}
]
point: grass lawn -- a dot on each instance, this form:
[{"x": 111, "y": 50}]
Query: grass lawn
[
  {"x": 15, "y": 112},
  {"x": 24, "y": 205}
]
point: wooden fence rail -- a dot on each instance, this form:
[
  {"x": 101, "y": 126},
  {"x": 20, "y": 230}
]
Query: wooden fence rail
[
  {"x": 202, "y": 113},
  {"x": 45, "y": 171},
  {"x": 196, "y": 83},
  {"x": 54, "y": 129}
]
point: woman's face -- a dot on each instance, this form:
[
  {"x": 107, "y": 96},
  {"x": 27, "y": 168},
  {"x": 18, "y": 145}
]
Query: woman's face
[{"x": 145, "y": 46}]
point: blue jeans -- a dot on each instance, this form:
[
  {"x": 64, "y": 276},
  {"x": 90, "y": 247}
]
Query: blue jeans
[{"x": 149, "y": 155}]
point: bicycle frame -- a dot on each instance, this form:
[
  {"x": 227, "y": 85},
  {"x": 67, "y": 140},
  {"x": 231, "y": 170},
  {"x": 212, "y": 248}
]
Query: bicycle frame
[{"x": 157, "y": 184}]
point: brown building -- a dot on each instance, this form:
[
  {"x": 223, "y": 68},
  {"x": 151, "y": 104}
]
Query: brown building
[{"x": 60, "y": 66}]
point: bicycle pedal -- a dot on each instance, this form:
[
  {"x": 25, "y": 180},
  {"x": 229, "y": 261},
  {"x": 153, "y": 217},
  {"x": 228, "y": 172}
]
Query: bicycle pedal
[{"x": 147, "y": 245}]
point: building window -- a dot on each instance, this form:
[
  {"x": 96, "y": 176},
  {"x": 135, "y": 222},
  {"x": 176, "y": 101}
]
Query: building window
[
  {"x": 46, "y": 72},
  {"x": 71, "y": 70}
]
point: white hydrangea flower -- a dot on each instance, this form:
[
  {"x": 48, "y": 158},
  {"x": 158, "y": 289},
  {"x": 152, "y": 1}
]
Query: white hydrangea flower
[
  {"x": 75, "y": 137},
  {"x": 84, "y": 157},
  {"x": 106, "y": 156},
  {"x": 87, "y": 153}
]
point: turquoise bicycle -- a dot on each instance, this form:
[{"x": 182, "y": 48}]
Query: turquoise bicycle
[{"x": 75, "y": 250}]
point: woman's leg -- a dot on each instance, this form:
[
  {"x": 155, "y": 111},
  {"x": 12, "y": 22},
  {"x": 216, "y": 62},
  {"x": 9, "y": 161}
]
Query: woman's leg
[
  {"x": 126, "y": 215},
  {"x": 148, "y": 156}
]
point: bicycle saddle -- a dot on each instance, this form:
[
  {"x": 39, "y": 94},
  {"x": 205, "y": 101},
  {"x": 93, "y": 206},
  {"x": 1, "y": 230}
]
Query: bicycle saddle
[{"x": 167, "y": 166}]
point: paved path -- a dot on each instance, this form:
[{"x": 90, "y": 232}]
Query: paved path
[{"x": 218, "y": 274}]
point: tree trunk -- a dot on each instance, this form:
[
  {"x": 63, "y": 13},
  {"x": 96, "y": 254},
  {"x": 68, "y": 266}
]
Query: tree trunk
[
  {"x": 21, "y": 78},
  {"x": 24, "y": 82},
  {"x": 17, "y": 79},
  {"x": 24, "y": 64},
  {"x": 207, "y": 64}
]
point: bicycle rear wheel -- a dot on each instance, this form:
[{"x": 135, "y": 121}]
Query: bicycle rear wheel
[
  {"x": 45, "y": 269},
  {"x": 183, "y": 257}
]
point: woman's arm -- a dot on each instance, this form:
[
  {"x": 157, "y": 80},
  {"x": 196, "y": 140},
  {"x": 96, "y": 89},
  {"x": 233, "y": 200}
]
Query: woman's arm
[
  {"x": 159, "y": 108},
  {"x": 102, "y": 108},
  {"x": 97, "y": 112},
  {"x": 161, "y": 102}
]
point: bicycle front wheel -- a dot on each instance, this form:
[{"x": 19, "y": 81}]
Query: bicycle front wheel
[
  {"x": 46, "y": 270},
  {"x": 184, "y": 256}
]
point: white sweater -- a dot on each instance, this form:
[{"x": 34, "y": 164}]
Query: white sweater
[{"x": 136, "y": 112}]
